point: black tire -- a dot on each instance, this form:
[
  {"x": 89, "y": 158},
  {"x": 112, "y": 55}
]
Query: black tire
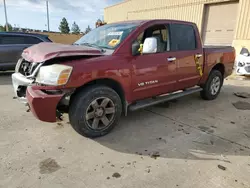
[
  {"x": 83, "y": 101},
  {"x": 207, "y": 93}
]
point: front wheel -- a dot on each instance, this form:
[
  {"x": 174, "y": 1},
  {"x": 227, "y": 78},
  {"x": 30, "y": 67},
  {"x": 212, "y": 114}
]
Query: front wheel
[
  {"x": 213, "y": 86},
  {"x": 95, "y": 111}
]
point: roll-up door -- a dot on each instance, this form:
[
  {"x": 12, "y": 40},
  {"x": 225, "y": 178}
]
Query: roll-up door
[{"x": 219, "y": 23}]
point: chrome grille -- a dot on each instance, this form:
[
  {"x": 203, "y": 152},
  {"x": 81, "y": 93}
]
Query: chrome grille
[{"x": 25, "y": 68}]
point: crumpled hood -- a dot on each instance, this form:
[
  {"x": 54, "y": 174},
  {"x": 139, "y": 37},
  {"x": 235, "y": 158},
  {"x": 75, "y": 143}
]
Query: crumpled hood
[{"x": 46, "y": 50}]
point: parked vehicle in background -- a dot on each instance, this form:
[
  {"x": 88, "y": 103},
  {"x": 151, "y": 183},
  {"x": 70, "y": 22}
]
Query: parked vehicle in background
[
  {"x": 12, "y": 45},
  {"x": 243, "y": 63},
  {"x": 119, "y": 67}
]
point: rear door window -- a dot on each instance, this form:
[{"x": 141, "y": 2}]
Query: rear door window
[
  {"x": 10, "y": 39},
  {"x": 182, "y": 37},
  {"x": 15, "y": 39}
]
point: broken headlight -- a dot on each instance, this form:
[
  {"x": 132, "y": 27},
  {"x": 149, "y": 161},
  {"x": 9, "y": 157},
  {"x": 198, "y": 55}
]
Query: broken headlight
[{"x": 54, "y": 75}]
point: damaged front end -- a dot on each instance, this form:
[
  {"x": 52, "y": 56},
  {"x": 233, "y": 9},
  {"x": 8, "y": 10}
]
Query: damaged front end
[
  {"x": 42, "y": 74},
  {"x": 24, "y": 76},
  {"x": 30, "y": 87}
]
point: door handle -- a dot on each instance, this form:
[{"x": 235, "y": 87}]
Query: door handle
[
  {"x": 171, "y": 58},
  {"x": 198, "y": 55}
]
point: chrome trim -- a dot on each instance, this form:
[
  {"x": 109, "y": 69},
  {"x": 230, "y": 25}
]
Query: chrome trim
[
  {"x": 35, "y": 71},
  {"x": 198, "y": 55},
  {"x": 20, "y": 80},
  {"x": 171, "y": 58},
  {"x": 19, "y": 62}
]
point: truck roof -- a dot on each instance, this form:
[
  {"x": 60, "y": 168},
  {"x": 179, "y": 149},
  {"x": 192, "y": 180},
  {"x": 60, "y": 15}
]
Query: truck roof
[{"x": 153, "y": 20}]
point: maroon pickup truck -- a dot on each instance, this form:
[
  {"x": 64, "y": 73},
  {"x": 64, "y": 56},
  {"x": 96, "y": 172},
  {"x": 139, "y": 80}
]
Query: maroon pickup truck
[{"x": 119, "y": 67}]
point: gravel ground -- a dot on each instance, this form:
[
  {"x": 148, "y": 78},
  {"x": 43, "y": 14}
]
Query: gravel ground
[{"x": 186, "y": 143}]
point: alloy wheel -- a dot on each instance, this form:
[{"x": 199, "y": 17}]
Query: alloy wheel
[
  {"x": 215, "y": 85},
  {"x": 100, "y": 113}
]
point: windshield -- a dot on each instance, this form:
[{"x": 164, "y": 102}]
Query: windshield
[{"x": 108, "y": 36}]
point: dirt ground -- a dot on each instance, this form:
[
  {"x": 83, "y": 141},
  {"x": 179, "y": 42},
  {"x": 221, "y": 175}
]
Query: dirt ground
[{"x": 188, "y": 143}]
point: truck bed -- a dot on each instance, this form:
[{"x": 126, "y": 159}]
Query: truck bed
[
  {"x": 219, "y": 49},
  {"x": 224, "y": 55}
]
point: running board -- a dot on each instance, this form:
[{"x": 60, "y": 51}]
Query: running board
[{"x": 161, "y": 99}]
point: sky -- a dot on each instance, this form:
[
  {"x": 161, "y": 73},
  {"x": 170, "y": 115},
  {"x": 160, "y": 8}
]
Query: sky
[{"x": 32, "y": 13}]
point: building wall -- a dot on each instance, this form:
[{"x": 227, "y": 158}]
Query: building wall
[
  {"x": 188, "y": 10},
  {"x": 242, "y": 36}
]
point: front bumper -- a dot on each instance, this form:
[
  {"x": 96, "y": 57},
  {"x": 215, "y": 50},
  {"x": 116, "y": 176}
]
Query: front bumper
[
  {"x": 243, "y": 70},
  {"x": 20, "y": 83},
  {"x": 42, "y": 105}
]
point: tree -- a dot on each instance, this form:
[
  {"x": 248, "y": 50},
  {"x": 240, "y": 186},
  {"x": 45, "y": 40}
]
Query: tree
[
  {"x": 88, "y": 29},
  {"x": 1, "y": 28},
  {"x": 75, "y": 28},
  {"x": 64, "y": 26}
]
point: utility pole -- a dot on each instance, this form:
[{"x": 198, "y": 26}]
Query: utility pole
[
  {"x": 47, "y": 5},
  {"x": 6, "y": 19}
]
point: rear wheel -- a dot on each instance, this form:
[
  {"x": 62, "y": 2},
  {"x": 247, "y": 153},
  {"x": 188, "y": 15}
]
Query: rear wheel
[
  {"x": 95, "y": 111},
  {"x": 213, "y": 86}
]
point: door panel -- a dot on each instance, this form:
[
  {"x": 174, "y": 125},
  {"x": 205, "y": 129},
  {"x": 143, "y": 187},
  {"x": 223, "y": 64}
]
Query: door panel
[
  {"x": 11, "y": 53},
  {"x": 153, "y": 75},
  {"x": 188, "y": 75},
  {"x": 11, "y": 48},
  {"x": 184, "y": 43}
]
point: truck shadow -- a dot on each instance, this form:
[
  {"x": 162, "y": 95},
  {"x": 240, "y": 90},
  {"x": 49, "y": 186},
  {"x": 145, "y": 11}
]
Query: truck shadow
[
  {"x": 5, "y": 78},
  {"x": 188, "y": 128}
]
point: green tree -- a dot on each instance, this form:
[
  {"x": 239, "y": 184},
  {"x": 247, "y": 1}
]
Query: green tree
[
  {"x": 1, "y": 28},
  {"x": 88, "y": 29},
  {"x": 75, "y": 28},
  {"x": 9, "y": 27},
  {"x": 64, "y": 26}
]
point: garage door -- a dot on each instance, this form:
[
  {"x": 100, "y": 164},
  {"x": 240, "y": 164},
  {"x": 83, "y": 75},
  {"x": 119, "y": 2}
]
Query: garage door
[{"x": 219, "y": 23}]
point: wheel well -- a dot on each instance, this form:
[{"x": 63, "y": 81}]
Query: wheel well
[
  {"x": 109, "y": 83},
  {"x": 220, "y": 67}
]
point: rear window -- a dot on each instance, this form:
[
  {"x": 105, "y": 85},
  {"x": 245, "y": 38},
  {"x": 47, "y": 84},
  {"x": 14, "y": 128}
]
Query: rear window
[{"x": 183, "y": 37}]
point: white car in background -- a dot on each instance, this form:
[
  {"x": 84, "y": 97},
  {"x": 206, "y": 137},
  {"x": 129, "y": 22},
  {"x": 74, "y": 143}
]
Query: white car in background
[{"x": 243, "y": 63}]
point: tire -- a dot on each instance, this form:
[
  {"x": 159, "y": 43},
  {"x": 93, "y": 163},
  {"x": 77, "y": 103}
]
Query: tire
[
  {"x": 88, "y": 108},
  {"x": 210, "y": 92}
]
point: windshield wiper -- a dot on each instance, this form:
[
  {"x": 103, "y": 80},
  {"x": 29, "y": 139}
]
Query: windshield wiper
[{"x": 93, "y": 45}]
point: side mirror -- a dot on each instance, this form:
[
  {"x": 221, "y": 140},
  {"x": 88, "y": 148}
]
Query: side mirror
[
  {"x": 135, "y": 48},
  {"x": 149, "y": 45}
]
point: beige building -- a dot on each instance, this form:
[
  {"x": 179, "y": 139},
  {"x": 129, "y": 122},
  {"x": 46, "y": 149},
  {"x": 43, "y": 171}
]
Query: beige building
[{"x": 221, "y": 22}]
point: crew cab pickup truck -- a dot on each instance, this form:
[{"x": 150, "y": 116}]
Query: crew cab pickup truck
[{"x": 119, "y": 67}]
